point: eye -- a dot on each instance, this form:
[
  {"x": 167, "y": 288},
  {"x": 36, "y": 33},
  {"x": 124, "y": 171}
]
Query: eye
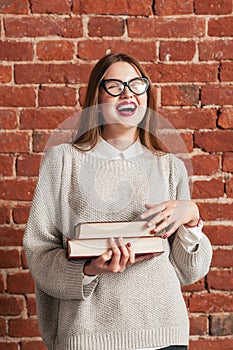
[{"x": 113, "y": 85}]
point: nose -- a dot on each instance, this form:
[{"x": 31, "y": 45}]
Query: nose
[{"x": 126, "y": 92}]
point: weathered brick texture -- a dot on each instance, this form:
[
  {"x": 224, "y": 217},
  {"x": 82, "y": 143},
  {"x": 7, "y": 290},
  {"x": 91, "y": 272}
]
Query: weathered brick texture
[{"x": 47, "y": 51}]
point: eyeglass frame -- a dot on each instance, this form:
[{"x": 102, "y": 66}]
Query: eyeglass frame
[{"x": 125, "y": 83}]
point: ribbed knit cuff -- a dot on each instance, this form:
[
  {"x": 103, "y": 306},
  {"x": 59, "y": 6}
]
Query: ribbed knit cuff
[{"x": 74, "y": 280}]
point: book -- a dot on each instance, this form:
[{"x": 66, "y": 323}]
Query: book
[{"x": 92, "y": 239}]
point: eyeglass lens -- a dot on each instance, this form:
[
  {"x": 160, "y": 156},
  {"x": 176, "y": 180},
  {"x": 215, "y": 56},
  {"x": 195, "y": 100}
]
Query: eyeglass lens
[{"x": 116, "y": 87}]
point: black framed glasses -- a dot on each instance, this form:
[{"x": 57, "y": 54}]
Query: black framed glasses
[{"x": 116, "y": 87}]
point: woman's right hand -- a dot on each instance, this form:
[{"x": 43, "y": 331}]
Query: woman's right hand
[{"x": 116, "y": 259}]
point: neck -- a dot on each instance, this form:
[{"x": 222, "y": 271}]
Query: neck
[{"x": 120, "y": 138}]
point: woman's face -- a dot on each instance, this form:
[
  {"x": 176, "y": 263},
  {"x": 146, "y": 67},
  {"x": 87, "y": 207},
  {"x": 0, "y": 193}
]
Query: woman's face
[{"x": 127, "y": 109}]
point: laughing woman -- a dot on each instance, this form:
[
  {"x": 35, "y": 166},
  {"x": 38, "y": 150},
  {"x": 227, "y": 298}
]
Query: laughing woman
[{"x": 115, "y": 170}]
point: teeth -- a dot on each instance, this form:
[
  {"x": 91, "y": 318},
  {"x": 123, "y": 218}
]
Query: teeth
[{"x": 128, "y": 106}]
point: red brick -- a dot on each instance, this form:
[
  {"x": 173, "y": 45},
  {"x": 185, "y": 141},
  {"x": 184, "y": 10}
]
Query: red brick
[
  {"x": 18, "y": 189},
  {"x": 6, "y": 165},
  {"x": 211, "y": 302},
  {"x": 82, "y": 95},
  {"x": 221, "y": 325},
  {"x": 228, "y": 161},
  {"x": 47, "y": 74},
  {"x": 206, "y": 164},
  {"x": 226, "y": 72},
  {"x": 214, "y": 141},
  {"x": 220, "y": 27},
  {"x": 213, "y": 188},
  {"x": 216, "y": 50},
  {"x": 161, "y": 72},
  {"x": 32, "y": 73},
  {"x": 15, "y": 7},
  {"x": 105, "y": 26},
  {"x": 20, "y": 214},
  {"x": 70, "y": 73},
  {"x": 229, "y": 188},
  {"x": 188, "y": 118},
  {"x": 2, "y": 327},
  {"x": 8, "y": 346},
  {"x": 43, "y": 26},
  {"x": 166, "y": 27},
  {"x": 11, "y": 306},
  {"x": 24, "y": 260},
  {"x": 123, "y": 7},
  {"x": 52, "y": 6},
  {"x": 15, "y": 51},
  {"x": 2, "y": 284},
  {"x": 23, "y": 328},
  {"x": 55, "y": 49},
  {"x": 44, "y": 118},
  {"x": 31, "y": 305},
  {"x": 57, "y": 96},
  {"x": 14, "y": 142},
  {"x": 212, "y": 7},
  {"x": 5, "y": 74},
  {"x": 217, "y": 94},
  {"x": 10, "y": 236},
  {"x": 220, "y": 279},
  {"x": 177, "y": 143},
  {"x": 198, "y": 325},
  {"x": 4, "y": 214},
  {"x": 225, "y": 119},
  {"x": 21, "y": 282},
  {"x": 211, "y": 344},
  {"x": 195, "y": 287},
  {"x": 182, "y": 95},
  {"x": 28, "y": 165},
  {"x": 17, "y": 96},
  {"x": 216, "y": 211},
  {"x": 33, "y": 345},
  {"x": 94, "y": 49},
  {"x": 8, "y": 119},
  {"x": 222, "y": 258},
  {"x": 173, "y": 7},
  {"x": 177, "y": 50},
  {"x": 219, "y": 235},
  {"x": 9, "y": 258},
  {"x": 40, "y": 139}
]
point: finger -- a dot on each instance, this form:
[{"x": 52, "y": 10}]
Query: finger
[
  {"x": 166, "y": 223},
  {"x": 131, "y": 259},
  {"x": 102, "y": 259},
  {"x": 152, "y": 212},
  {"x": 116, "y": 256},
  {"x": 124, "y": 254}
]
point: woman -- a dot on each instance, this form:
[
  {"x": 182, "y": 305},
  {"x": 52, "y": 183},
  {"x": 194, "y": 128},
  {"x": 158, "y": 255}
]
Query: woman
[{"x": 114, "y": 171}]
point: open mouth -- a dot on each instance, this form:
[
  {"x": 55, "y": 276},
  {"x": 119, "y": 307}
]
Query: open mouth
[{"x": 126, "y": 109}]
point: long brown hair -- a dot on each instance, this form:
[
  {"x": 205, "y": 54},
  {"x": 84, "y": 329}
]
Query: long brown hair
[{"x": 91, "y": 126}]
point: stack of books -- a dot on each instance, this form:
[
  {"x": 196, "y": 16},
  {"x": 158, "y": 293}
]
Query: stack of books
[{"x": 92, "y": 239}]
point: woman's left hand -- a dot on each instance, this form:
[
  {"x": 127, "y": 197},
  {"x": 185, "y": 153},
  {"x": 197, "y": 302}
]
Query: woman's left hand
[{"x": 170, "y": 215}]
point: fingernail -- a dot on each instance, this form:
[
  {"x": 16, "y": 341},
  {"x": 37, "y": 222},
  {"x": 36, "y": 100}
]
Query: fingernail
[
  {"x": 128, "y": 244},
  {"x": 153, "y": 232},
  {"x": 164, "y": 236},
  {"x": 109, "y": 253},
  {"x": 149, "y": 224}
]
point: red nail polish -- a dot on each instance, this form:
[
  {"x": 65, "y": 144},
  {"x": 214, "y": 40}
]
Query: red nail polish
[
  {"x": 164, "y": 236},
  {"x": 128, "y": 244}
]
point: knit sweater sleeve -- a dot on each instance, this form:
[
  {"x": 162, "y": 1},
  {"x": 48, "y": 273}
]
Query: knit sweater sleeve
[
  {"x": 44, "y": 242},
  {"x": 189, "y": 266}
]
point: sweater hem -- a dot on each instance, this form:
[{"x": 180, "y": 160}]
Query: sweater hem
[{"x": 129, "y": 340}]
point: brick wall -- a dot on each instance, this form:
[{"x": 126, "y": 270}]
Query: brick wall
[{"x": 47, "y": 50}]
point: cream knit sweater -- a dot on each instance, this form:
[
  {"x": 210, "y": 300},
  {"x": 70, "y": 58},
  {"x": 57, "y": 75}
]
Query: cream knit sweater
[{"x": 139, "y": 308}]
